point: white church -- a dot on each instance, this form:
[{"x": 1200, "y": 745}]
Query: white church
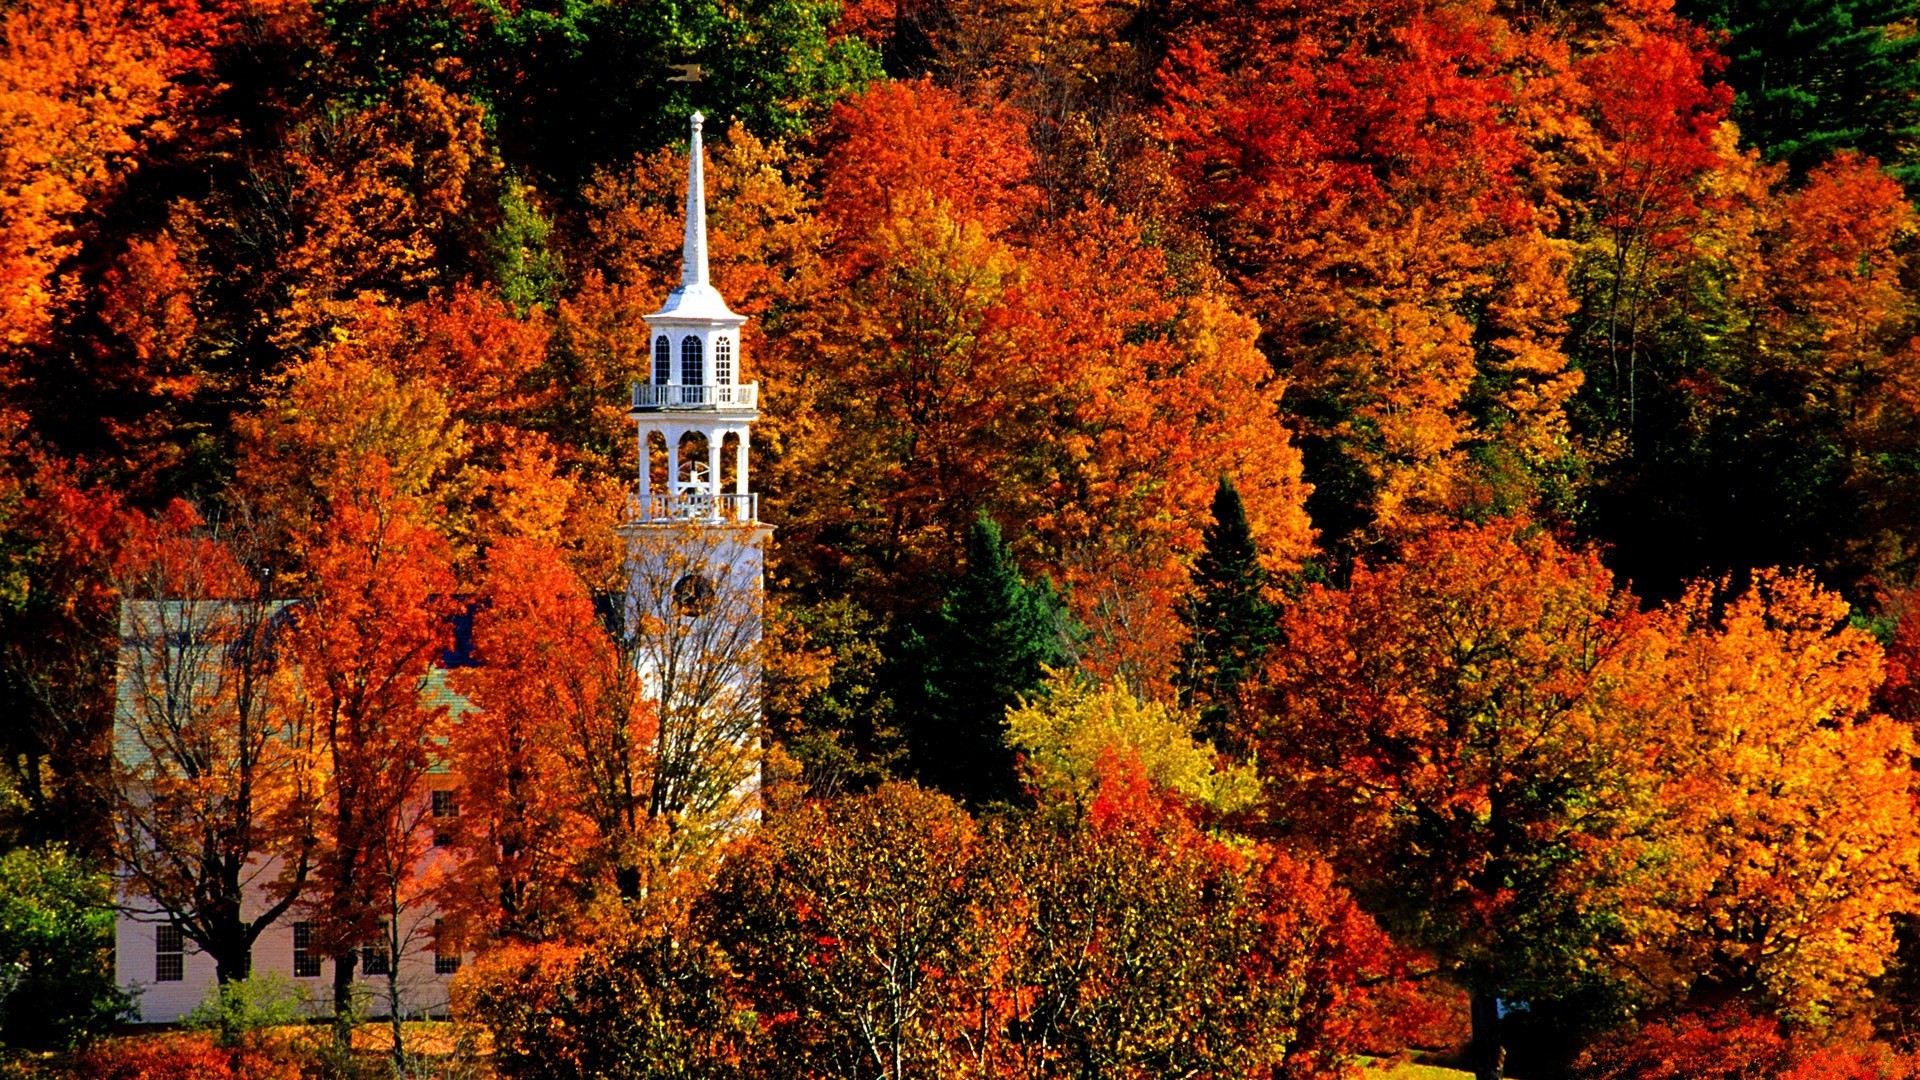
[{"x": 696, "y": 551}]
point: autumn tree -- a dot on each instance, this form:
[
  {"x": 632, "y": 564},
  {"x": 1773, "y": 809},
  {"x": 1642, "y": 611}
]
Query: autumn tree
[
  {"x": 58, "y": 613},
  {"x": 85, "y": 88},
  {"x": 1151, "y": 949},
  {"x": 1070, "y": 731},
  {"x": 654, "y": 1003},
  {"x": 693, "y": 625},
  {"x": 864, "y": 928},
  {"x": 1786, "y": 803},
  {"x": 1461, "y": 728},
  {"x": 1366, "y": 181},
  {"x": 555, "y": 760},
  {"x": 366, "y": 638},
  {"x": 214, "y": 779}
]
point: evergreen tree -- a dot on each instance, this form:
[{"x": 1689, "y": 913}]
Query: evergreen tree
[
  {"x": 1815, "y": 76},
  {"x": 986, "y": 646},
  {"x": 1229, "y": 621}
]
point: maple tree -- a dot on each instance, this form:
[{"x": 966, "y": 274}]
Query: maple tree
[
  {"x": 1306, "y": 137},
  {"x": 1462, "y": 729},
  {"x": 861, "y": 929},
  {"x": 554, "y": 763},
  {"x": 366, "y": 637},
  {"x": 84, "y": 89},
  {"x": 1790, "y": 835},
  {"x": 57, "y": 536}
]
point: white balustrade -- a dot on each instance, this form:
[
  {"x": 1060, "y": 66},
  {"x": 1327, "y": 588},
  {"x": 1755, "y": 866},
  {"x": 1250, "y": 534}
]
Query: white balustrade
[
  {"x": 693, "y": 506},
  {"x": 707, "y": 396}
]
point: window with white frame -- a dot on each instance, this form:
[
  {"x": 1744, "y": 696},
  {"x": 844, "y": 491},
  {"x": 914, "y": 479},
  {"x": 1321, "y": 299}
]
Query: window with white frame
[
  {"x": 662, "y": 361},
  {"x": 169, "y": 953},
  {"x": 691, "y": 373},
  {"x": 723, "y": 360}
]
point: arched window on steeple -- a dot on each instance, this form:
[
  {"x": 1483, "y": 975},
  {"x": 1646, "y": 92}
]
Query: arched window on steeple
[
  {"x": 723, "y": 360},
  {"x": 691, "y": 373},
  {"x": 662, "y": 361}
]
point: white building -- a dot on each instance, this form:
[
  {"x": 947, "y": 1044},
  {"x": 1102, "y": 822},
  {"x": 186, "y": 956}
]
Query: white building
[{"x": 696, "y": 551}]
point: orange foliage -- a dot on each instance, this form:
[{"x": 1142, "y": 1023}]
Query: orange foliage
[
  {"x": 381, "y": 200},
  {"x": 172, "y": 1056},
  {"x": 375, "y": 620},
  {"x": 904, "y": 144},
  {"x": 1363, "y": 172},
  {"x": 552, "y": 763},
  {"x": 1464, "y": 730},
  {"x": 85, "y": 86},
  {"x": 1790, "y": 837}
]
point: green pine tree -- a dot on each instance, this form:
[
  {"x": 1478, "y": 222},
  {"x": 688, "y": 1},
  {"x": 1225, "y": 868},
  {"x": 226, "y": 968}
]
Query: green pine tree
[
  {"x": 986, "y": 646},
  {"x": 1230, "y": 623},
  {"x": 1815, "y": 76}
]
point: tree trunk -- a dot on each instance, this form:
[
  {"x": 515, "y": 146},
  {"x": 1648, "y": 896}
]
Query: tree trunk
[
  {"x": 343, "y": 999},
  {"x": 1487, "y": 1056}
]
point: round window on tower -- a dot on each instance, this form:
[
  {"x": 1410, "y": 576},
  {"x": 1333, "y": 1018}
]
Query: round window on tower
[{"x": 693, "y": 596}]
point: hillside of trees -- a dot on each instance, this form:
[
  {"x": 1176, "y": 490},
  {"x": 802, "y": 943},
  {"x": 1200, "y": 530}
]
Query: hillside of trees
[{"x": 1305, "y": 529}]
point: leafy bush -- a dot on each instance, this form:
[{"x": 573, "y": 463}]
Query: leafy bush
[
  {"x": 1732, "y": 1042},
  {"x": 249, "y": 1005},
  {"x": 178, "y": 1057},
  {"x": 56, "y": 950}
]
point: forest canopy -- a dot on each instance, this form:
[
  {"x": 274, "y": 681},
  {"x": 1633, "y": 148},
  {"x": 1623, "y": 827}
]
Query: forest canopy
[{"x": 1418, "y": 498}]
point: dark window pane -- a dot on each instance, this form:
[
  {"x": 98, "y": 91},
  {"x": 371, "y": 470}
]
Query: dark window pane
[{"x": 169, "y": 954}]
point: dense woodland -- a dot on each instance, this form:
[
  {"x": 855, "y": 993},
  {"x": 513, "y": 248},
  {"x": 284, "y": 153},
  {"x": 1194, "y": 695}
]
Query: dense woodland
[{"x": 1305, "y": 528}]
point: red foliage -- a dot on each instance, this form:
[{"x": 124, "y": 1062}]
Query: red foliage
[
  {"x": 1731, "y": 1042},
  {"x": 901, "y": 142},
  {"x": 177, "y": 1057}
]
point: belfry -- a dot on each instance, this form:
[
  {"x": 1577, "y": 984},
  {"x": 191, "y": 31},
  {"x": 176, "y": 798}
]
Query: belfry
[
  {"x": 695, "y": 544},
  {"x": 694, "y": 399}
]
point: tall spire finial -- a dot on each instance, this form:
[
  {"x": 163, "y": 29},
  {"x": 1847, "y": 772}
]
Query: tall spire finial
[{"x": 693, "y": 258}]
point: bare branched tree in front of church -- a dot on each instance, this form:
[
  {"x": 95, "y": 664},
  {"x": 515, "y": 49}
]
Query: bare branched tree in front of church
[
  {"x": 213, "y": 785},
  {"x": 692, "y": 627}
]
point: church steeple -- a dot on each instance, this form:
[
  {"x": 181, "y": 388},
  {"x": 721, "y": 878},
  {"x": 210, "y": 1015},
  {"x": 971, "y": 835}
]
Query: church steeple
[
  {"x": 696, "y": 298},
  {"x": 693, "y": 397},
  {"x": 693, "y": 255}
]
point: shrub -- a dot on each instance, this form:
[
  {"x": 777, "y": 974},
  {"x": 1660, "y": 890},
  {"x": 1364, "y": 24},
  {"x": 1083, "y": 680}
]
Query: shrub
[
  {"x": 1732, "y": 1042},
  {"x": 249, "y": 1005},
  {"x": 56, "y": 950},
  {"x": 180, "y": 1056}
]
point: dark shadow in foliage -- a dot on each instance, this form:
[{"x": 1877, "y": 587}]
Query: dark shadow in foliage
[{"x": 574, "y": 87}]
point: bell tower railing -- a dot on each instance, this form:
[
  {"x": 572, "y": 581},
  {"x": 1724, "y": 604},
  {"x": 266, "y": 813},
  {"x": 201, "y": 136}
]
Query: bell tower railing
[
  {"x": 694, "y": 506},
  {"x": 707, "y": 396}
]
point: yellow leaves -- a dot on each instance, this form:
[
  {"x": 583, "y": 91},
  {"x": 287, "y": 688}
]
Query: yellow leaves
[{"x": 1075, "y": 728}]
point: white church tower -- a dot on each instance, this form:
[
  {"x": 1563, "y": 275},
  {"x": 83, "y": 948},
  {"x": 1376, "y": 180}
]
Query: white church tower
[{"x": 695, "y": 543}]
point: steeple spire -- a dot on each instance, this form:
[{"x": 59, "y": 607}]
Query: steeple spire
[
  {"x": 696, "y": 298},
  {"x": 693, "y": 257}
]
